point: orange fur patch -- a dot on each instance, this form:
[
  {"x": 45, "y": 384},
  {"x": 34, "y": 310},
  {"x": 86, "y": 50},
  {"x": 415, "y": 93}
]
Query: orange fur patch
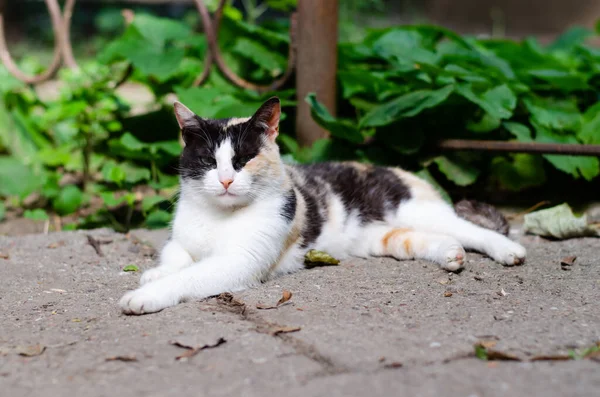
[
  {"x": 407, "y": 246},
  {"x": 391, "y": 234}
]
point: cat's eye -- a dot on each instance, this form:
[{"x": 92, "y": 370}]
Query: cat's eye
[
  {"x": 208, "y": 161},
  {"x": 241, "y": 162}
]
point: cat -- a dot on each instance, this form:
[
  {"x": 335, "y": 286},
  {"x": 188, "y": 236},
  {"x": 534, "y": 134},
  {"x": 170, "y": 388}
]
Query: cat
[{"x": 243, "y": 216}]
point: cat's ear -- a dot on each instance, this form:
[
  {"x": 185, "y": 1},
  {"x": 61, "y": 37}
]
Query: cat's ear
[
  {"x": 268, "y": 117},
  {"x": 186, "y": 119}
]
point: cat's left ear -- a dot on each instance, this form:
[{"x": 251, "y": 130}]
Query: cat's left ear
[{"x": 268, "y": 116}]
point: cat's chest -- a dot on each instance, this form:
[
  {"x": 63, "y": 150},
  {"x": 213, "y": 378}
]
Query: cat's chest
[{"x": 204, "y": 233}]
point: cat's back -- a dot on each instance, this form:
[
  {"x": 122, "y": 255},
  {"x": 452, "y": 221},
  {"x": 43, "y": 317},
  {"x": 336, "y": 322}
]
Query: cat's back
[{"x": 371, "y": 190}]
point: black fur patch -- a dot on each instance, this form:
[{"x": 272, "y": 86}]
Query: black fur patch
[
  {"x": 288, "y": 211},
  {"x": 204, "y": 136},
  {"x": 373, "y": 191},
  {"x": 483, "y": 215},
  {"x": 314, "y": 220}
]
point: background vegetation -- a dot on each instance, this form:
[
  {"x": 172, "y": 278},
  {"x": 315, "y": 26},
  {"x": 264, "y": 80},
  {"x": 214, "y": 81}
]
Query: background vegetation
[{"x": 83, "y": 155}]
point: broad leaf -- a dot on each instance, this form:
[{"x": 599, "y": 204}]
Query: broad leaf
[
  {"x": 519, "y": 171},
  {"x": 588, "y": 167},
  {"x": 456, "y": 171},
  {"x": 17, "y": 179},
  {"x": 339, "y": 128},
  {"x": 499, "y": 102},
  {"x": 408, "y": 105},
  {"x": 590, "y": 130},
  {"x": 557, "y": 114},
  {"x": 68, "y": 201}
]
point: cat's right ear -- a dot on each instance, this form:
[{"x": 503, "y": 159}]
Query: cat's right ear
[{"x": 186, "y": 119}]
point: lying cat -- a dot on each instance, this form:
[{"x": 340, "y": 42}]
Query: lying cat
[{"x": 243, "y": 216}]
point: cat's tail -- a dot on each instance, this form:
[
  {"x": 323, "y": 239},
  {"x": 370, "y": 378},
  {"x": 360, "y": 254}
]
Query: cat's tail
[{"x": 483, "y": 215}]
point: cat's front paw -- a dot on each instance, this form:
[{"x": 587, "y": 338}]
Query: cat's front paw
[
  {"x": 153, "y": 275},
  {"x": 145, "y": 300}
]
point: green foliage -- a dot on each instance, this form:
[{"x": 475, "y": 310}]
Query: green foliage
[
  {"x": 406, "y": 87},
  {"x": 84, "y": 155}
]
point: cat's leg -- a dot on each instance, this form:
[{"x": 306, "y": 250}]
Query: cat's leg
[
  {"x": 402, "y": 243},
  {"x": 173, "y": 258},
  {"x": 209, "y": 277},
  {"x": 438, "y": 217}
]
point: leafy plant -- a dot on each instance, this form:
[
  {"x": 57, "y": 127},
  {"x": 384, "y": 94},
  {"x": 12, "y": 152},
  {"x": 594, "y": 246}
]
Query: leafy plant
[{"x": 87, "y": 156}]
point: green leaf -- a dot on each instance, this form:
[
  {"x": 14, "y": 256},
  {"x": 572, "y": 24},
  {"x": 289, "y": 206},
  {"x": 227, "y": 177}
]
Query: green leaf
[
  {"x": 481, "y": 352},
  {"x": 133, "y": 173},
  {"x": 159, "y": 30},
  {"x": 16, "y": 179},
  {"x": 339, "y": 128},
  {"x": 172, "y": 148},
  {"x": 588, "y": 167},
  {"x": 36, "y": 215},
  {"x": 68, "y": 201},
  {"x": 487, "y": 123},
  {"x": 519, "y": 131},
  {"x": 110, "y": 199},
  {"x": 406, "y": 47},
  {"x": 113, "y": 173},
  {"x": 408, "y": 105},
  {"x": 519, "y": 171},
  {"x": 2, "y": 210},
  {"x": 149, "y": 202},
  {"x": 259, "y": 54},
  {"x": 131, "y": 268},
  {"x": 552, "y": 113},
  {"x": 571, "y": 38},
  {"x": 590, "y": 130},
  {"x": 456, "y": 171},
  {"x": 158, "y": 219},
  {"x": 499, "y": 102}
]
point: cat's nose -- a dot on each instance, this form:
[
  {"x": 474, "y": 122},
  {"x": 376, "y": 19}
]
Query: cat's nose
[{"x": 226, "y": 183}]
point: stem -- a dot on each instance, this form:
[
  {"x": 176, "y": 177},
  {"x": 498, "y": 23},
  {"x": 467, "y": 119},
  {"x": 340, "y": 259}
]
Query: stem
[{"x": 87, "y": 153}]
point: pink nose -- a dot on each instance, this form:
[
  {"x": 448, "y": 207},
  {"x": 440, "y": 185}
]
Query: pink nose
[{"x": 226, "y": 183}]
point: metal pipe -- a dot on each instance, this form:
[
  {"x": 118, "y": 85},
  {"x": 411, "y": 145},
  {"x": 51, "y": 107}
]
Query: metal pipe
[{"x": 520, "y": 147}]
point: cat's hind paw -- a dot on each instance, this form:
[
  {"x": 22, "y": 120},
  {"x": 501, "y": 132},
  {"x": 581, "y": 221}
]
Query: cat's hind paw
[{"x": 510, "y": 253}]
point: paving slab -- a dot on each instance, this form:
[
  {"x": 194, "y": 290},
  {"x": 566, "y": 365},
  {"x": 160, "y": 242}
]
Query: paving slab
[{"x": 374, "y": 327}]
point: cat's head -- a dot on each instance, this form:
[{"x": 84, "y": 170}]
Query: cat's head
[{"x": 230, "y": 162}]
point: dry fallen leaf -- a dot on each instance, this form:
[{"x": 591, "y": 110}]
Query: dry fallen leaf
[
  {"x": 394, "y": 364},
  {"x": 315, "y": 258},
  {"x": 551, "y": 358},
  {"x": 488, "y": 343},
  {"x": 128, "y": 358},
  {"x": 593, "y": 356},
  {"x": 4, "y": 255},
  {"x": 233, "y": 304},
  {"x": 56, "y": 244},
  {"x": 284, "y": 330},
  {"x": 484, "y": 353},
  {"x": 30, "y": 351},
  {"x": 287, "y": 295},
  {"x": 568, "y": 261},
  {"x": 192, "y": 351},
  {"x": 447, "y": 294}
]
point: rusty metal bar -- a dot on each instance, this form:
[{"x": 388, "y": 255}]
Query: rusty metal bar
[
  {"x": 57, "y": 27},
  {"x": 213, "y": 46},
  {"x": 520, "y": 147},
  {"x": 317, "y": 64}
]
